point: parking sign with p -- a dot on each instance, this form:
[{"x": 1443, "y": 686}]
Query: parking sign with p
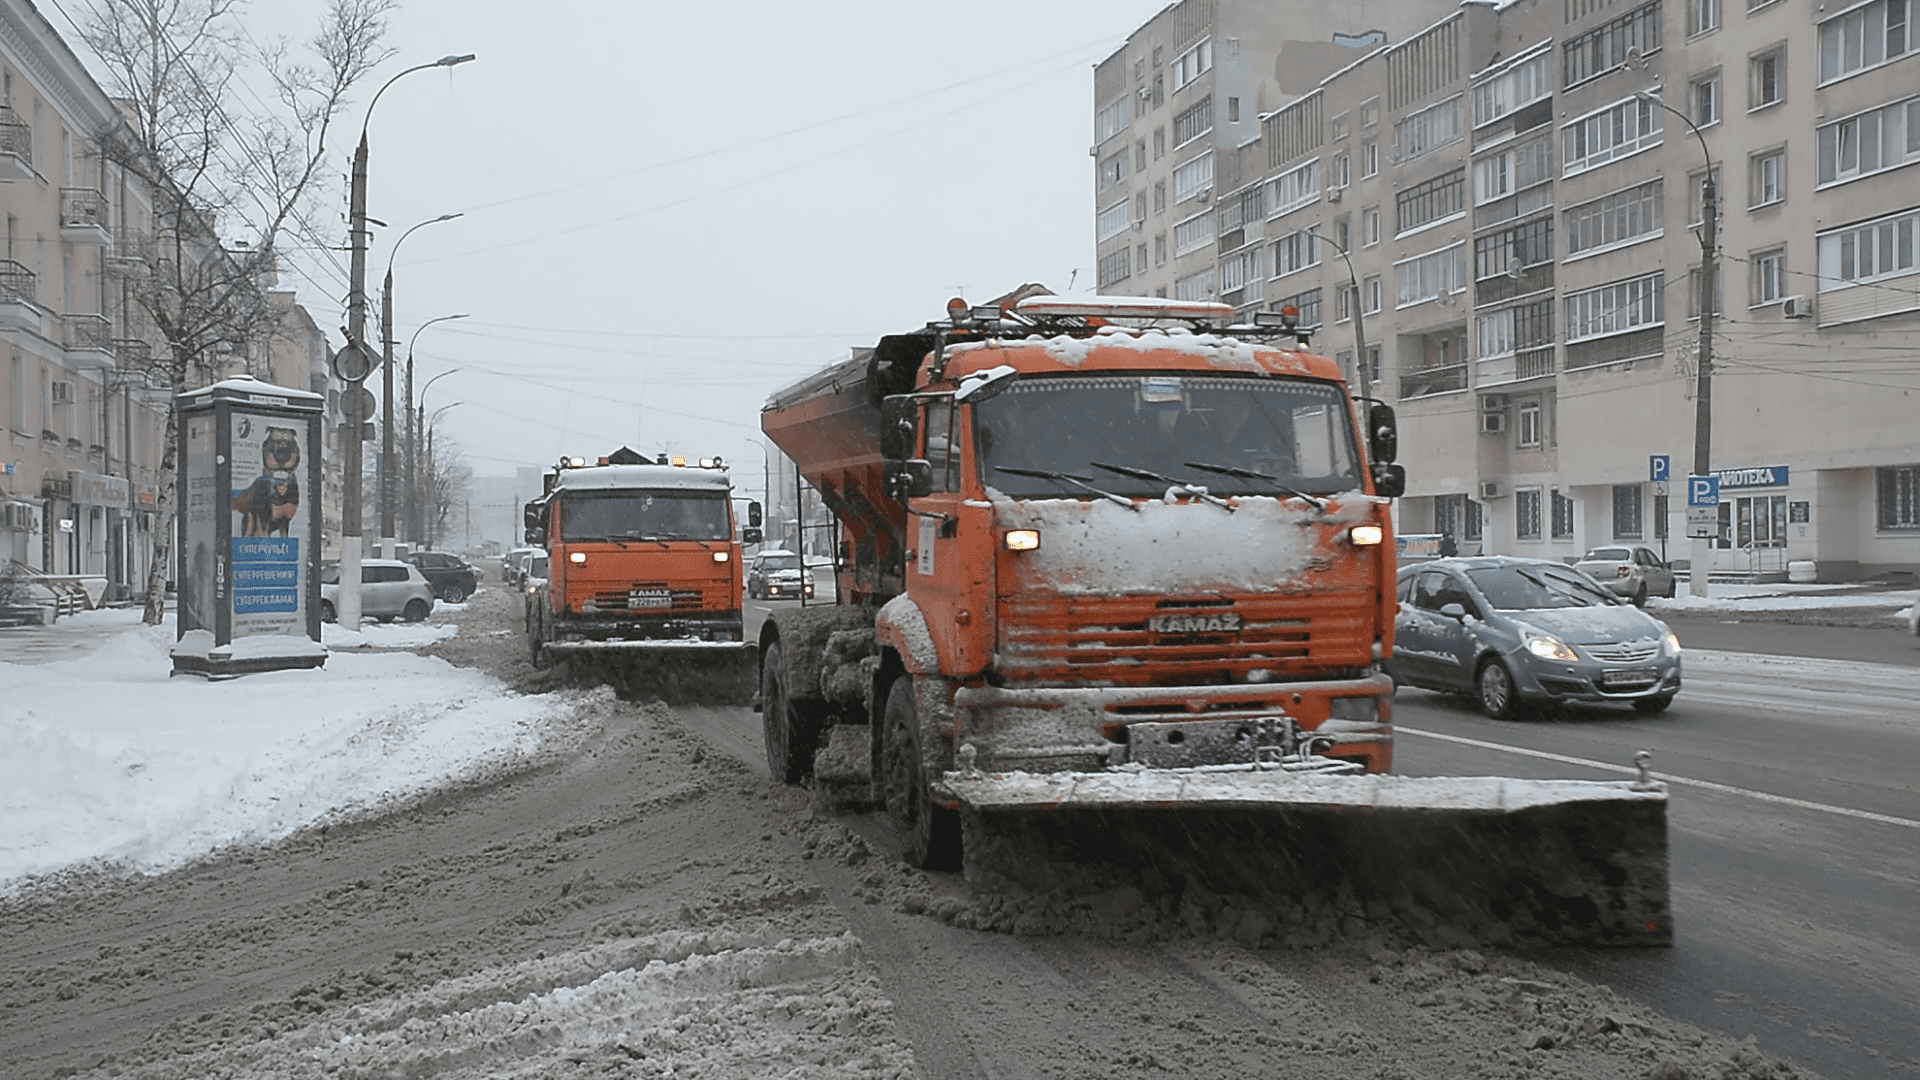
[{"x": 1703, "y": 491}]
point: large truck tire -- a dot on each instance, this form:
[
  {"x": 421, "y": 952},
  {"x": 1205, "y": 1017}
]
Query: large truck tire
[
  {"x": 929, "y": 833},
  {"x": 789, "y": 730}
]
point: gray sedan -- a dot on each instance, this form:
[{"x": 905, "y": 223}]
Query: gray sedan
[{"x": 1518, "y": 632}]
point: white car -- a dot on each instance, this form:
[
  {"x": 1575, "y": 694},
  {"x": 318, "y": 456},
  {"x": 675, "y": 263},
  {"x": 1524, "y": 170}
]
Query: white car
[
  {"x": 389, "y": 589},
  {"x": 778, "y": 573}
]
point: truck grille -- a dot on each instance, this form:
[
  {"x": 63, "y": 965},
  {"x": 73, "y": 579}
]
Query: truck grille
[
  {"x": 655, "y": 596},
  {"x": 1145, "y": 641}
]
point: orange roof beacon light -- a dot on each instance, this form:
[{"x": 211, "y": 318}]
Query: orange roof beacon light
[{"x": 680, "y": 461}]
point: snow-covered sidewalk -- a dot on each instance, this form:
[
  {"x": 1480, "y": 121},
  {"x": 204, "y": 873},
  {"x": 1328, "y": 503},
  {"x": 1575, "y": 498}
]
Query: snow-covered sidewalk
[
  {"x": 110, "y": 762},
  {"x": 1786, "y": 596}
]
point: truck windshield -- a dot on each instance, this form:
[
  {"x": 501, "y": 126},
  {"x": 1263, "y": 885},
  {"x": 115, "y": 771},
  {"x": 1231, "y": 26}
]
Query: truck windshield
[
  {"x": 1261, "y": 434},
  {"x": 644, "y": 515}
]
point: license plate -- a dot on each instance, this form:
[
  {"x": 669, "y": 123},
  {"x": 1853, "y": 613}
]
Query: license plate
[
  {"x": 1633, "y": 677},
  {"x": 1222, "y": 623},
  {"x": 649, "y": 598}
]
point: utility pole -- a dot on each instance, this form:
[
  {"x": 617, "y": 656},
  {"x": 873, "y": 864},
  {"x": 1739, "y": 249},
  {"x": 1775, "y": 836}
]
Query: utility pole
[
  {"x": 348, "y": 612},
  {"x": 1703, "y": 377}
]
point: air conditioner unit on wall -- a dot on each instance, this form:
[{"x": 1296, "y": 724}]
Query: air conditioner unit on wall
[
  {"x": 1493, "y": 423},
  {"x": 1489, "y": 489},
  {"x": 1333, "y": 193},
  {"x": 1797, "y": 307}
]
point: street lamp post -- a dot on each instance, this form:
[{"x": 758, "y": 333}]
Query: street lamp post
[
  {"x": 1703, "y": 373},
  {"x": 411, "y": 501},
  {"x": 350, "y": 539},
  {"x": 1359, "y": 331},
  {"x": 433, "y": 527},
  {"x": 387, "y": 533},
  {"x": 416, "y": 504}
]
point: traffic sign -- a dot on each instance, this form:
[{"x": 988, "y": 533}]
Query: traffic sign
[
  {"x": 1703, "y": 522},
  {"x": 1659, "y": 467},
  {"x": 359, "y": 403},
  {"x": 1703, "y": 491},
  {"x": 1661, "y": 488},
  {"x": 352, "y": 363}
]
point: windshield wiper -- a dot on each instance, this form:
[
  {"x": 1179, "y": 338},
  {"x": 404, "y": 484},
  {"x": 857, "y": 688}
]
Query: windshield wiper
[
  {"x": 639, "y": 536},
  {"x": 1085, "y": 483},
  {"x": 1250, "y": 474},
  {"x": 1155, "y": 478}
]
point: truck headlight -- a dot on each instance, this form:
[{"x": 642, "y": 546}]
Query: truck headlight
[
  {"x": 1023, "y": 539},
  {"x": 1550, "y": 648},
  {"x": 578, "y": 558},
  {"x": 1366, "y": 535},
  {"x": 722, "y": 556}
]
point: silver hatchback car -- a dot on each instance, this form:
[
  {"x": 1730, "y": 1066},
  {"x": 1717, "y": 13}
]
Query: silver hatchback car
[
  {"x": 1518, "y": 632},
  {"x": 389, "y": 589},
  {"x": 1632, "y": 571}
]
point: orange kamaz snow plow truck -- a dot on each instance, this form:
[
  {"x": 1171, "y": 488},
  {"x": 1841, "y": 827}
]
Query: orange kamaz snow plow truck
[
  {"x": 1116, "y": 579},
  {"x": 643, "y": 584}
]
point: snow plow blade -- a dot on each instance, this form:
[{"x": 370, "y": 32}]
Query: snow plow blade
[
  {"x": 676, "y": 672},
  {"x": 1456, "y": 860}
]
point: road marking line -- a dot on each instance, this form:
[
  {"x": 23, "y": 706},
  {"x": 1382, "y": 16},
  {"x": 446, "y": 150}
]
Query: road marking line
[{"x": 1707, "y": 785}]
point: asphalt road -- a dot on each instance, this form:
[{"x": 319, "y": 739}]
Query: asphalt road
[{"x": 1795, "y": 833}]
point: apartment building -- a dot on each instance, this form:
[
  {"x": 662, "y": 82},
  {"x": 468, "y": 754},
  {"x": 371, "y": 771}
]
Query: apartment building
[{"x": 1500, "y": 215}]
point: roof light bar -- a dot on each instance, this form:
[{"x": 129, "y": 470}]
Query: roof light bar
[{"x": 1124, "y": 307}]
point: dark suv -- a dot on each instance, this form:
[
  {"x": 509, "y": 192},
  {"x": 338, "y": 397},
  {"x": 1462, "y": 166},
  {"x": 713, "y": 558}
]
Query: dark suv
[{"x": 450, "y": 576}]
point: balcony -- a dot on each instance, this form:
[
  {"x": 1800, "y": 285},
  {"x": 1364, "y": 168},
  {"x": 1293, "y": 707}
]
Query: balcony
[
  {"x": 16, "y": 146},
  {"x": 132, "y": 352},
  {"x": 19, "y": 309},
  {"x": 1424, "y": 382},
  {"x": 131, "y": 252},
  {"x": 84, "y": 217},
  {"x": 89, "y": 341}
]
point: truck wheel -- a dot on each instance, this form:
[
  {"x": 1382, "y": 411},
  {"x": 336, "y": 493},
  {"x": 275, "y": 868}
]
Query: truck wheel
[
  {"x": 929, "y": 834},
  {"x": 789, "y": 733},
  {"x": 537, "y": 653}
]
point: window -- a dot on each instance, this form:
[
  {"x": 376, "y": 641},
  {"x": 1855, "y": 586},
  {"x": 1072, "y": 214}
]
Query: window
[
  {"x": 1296, "y": 251},
  {"x": 1693, "y": 291},
  {"x": 1160, "y": 249},
  {"x": 1870, "y": 252},
  {"x": 1159, "y": 195},
  {"x": 1339, "y": 124},
  {"x": 1442, "y": 197},
  {"x": 1427, "y": 130},
  {"x": 1240, "y": 270},
  {"x": 1343, "y": 307},
  {"x": 1619, "y": 218},
  {"x": 1193, "y": 63},
  {"x": 1526, "y": 513},
  {"x": 1295, "y": 188},
  {"x": 1369, "y": 112},
  {"x": 1159, "y": 143},
  {"x": 1140, "y": 155},
  {"x": 1141, "y": 256},
  {"x": 1342, "y": 170},
  {"x": 1115, "y": 267},
  {"x": 1193, "y": 234},
  {"x": 1769, "y": 275},
  {"x": 1233, "y": 110},
  {"x": 1769, "y": 78},
  {"x": 1192, "y": 122},
  {"x": 1617, "y": 308},
  {"x": 1369, "y": 158},
  {"x": 1697, "y": 193},
  {"x": 1370, "y": 226},
  {"x": 1512, "y": 250},
  {"x": 1371, "y": 287},
  {"x": 1111, "y": 222},
  {"x": 1343, "y": 233},
  {"x": 1140, "y": 206},
  {"x": 1767, "y": 178},
  {"x": 1527, "y": 428},
  {"x": 1493, "y": 335},
  {"x": 1195, "y": 286},
  {"x": 1605, "y": 47},
  {"x": 1562, "y": 516},
  {"x": 1623, "y": 128},
  {"x": 1703, "y": 96},
  {"x": 1110, "y": 120},
  {"x": 1882, "y": 138},
  {"x": 1512, "y": 170},
  {"x": 1193, "y": 177},
  {"x": 1430, "y": 276},
  {"x": 1113, "y": 169},
  {"x": 1899, "y": 496},
  {"x": 1864, "y": 37},
  {"x": 1702, "y": 16},
  {"x": 1524, "y": 83},
  {"x": 1373, "y": 361}
]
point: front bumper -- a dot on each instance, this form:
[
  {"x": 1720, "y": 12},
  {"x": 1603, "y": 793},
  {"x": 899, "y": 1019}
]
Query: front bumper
[
  {"x": 705, "y": 626},
  {"x": 1058, "y": 729},
  {"x": 1592, "y": 682}
]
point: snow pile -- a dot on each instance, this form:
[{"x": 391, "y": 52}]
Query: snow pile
[
  {"x": 373, "y": 635},
  {"x": 111, "y": 763},
  {"x": 1782, "y": 598}
]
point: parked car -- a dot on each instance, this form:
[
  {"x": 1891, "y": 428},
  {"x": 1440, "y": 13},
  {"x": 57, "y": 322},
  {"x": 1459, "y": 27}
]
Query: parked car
[
  {"x": 778, "y": 573},
  {"x": 513, "y": 564},
  {"x": 1631, "y": 571},
  {"x": 452, "y": 578},
  {"x": 1515, "y": 633},
  {"x": 389, "y": 589}
]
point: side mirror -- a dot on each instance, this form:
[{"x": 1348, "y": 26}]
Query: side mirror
[
  {"x": 909, "y": 479},
  {"x": 1390, "y": 481},
  {"x": 898, "y": 427},
  {"x": 753, "y": 515},
  {"x": 534, "y": 516},
  {"x": 750, "y": 535},
  {"x": 1453, "y": 611},
  {"x": 536, "y": 536},
  {"x": 1383, "y": 433}
]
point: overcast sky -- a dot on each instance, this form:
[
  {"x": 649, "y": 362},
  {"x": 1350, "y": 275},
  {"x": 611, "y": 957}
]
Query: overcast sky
[{"x": 672, "y": 210}]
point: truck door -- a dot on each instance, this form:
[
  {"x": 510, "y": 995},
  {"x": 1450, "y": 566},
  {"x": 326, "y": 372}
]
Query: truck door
[{"x": 945, "y": 575}]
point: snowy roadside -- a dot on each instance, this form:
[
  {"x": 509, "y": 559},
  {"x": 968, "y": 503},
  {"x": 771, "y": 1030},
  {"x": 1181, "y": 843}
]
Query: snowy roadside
[{"x": 112, "y": 764}]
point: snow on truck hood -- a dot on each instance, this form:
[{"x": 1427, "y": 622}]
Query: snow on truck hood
[{"x": 1098, "y": 547}]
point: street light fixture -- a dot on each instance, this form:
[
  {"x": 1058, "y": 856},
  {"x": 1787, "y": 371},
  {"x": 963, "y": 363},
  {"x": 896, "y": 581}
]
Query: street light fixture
[
  {"x": 416, "y": 516},
  {"x": 1703, "y": 373},
  {"x": 387, "y": 533},
  {"x": 351, "y": 528},
  {"x": 432, "y": 485},
  {"x": 1360, "y": 366},
  {"x": 411, "y": 500}
]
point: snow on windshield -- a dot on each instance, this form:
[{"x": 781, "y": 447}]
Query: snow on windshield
[
  {"x": 1527, "y": 588},
  {"x": 1295, "y": 431},
  {"x": 629, "y": 515}
]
